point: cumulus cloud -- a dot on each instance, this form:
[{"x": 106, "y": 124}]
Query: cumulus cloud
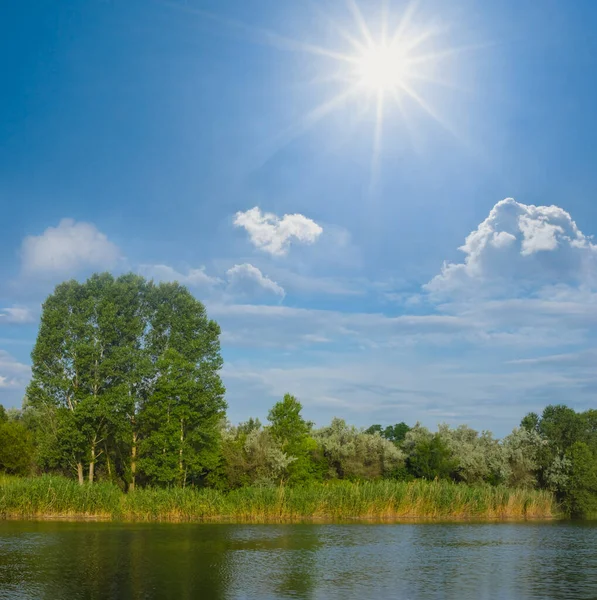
[
  {"x": 192, "y": 278},
  {"x": 523, "y": 245},
  {"x": 15, "y": 314},
  {"x": 273, "y": 234},
  {"x": 248, "y": 281},
  {"x": 67, "y": 248}
]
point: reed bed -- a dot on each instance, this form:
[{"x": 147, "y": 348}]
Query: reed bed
[{"x": 58, "y": 497}]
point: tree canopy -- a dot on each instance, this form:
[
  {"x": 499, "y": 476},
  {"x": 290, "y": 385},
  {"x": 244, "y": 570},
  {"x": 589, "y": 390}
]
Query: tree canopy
[{"x": 127, "y": 372}]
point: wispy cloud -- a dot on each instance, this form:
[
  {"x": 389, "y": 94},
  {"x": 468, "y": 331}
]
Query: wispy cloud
[
  {"x": 194, "y": 278},
  {"x": 16, "y": 315}
]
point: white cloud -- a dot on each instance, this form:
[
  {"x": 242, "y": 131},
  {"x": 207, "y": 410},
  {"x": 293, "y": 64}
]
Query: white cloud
[
  {"x": 16, "y": 314},
  {"x": 287, "y": 327},
  {"x": 520, "y": 246},
  {"x": 389, "y": 387},
  {"x": 248, "y": 281},
  {"x": 14, "y": 377},
  {"x": 243, "y": 282},
  {"x": 192, "y": 278},
  {"x": 273, "y": 234},
  {"x": 67, "y": 248}
]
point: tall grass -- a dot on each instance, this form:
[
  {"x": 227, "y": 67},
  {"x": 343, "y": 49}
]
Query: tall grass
[{"x": 57, "y": 497}]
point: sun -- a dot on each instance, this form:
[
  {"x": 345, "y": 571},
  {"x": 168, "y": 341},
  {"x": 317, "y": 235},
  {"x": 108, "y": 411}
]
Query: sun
[
  {"x": 385, "y": 64},
  {"x": 379, "y": 65},
  {"x": 382, "y": 68}
]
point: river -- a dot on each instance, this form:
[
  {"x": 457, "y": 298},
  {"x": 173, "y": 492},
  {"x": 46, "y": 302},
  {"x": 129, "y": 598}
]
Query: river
[{"x": 59, "y": 560}]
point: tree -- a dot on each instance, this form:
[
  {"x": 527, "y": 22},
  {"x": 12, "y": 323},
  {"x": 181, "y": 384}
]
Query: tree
[
  {"x": 477, "y": 457},
  {"x": 58, "y": 361},
  {"x": 530, "y": 422},
  {"x": 395, "y": 433},
  {"x": 113, "y": 357},
  {"x": 292, "y": 432},
  {"x": 521, "y": 450},
  {"x": 561, "y": 425},
  {"x": 180, "y": 416},
  {"x": 355, "y": 454},
  {"x": 16, "y": 448},
  {"x": 252, "y": 456},
  {"x": 580, "y": 496},
  {"x": 428, "y": 455}
]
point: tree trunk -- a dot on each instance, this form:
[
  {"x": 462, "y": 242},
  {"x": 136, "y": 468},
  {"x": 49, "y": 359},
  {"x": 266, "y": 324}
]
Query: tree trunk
[
  {"x": 92, "y": 463},
  {"x": 133, "y": 462},
  {"x": 80, "y": 473},
  {"x": 180, "y": 468},
  {"x": 108, "y": 462}
]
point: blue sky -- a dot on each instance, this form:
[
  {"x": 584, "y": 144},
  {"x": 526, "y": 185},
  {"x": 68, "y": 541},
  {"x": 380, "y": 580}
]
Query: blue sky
[{"x": 372, "y": 267}]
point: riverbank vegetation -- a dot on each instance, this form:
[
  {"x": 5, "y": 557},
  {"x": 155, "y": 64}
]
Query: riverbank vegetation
[
  {"x": 125, "y": 418},
  {"x": 59, "y": 497}
]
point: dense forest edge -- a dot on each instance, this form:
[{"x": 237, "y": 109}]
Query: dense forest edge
[{"x": 125, "y": 418}]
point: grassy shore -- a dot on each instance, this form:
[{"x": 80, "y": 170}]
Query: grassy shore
[{"x": 56, "y": 497}]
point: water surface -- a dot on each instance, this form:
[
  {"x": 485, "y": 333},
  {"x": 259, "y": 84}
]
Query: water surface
[{"x": 50, "y": 560}]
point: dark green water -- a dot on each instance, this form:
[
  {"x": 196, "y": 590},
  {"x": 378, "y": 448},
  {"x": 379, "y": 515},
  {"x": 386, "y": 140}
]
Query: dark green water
[{"x": 97, "y": 560}]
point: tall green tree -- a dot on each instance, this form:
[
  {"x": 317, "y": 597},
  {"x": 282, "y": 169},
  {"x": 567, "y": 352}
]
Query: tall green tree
[
  {"x": 118, "y": 363},
  {"x": 59, "y": 359},
  {"x": 292, "y": 432},
  {"x": 180, "y": 417}
]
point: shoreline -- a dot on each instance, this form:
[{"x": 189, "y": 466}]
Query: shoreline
[
  {"x": 60, "y": 499},
  {"x": 224, "y": 520}
]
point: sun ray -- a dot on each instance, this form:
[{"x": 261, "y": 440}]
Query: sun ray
[
  {"x": 404, "y": 22},
  {"x": 307, "y": 121},
  {"x": 428, "y": 109},
  {"x": 370, "y": 64},
  {"x": 377, "y": 141},
  {"x": 384, "y": 21},
  {"x": 413, "y": 43},
  {"x": 265, "y": 36},
  {"x": 436, "y": 56},
  {"x": 353, "y": 41},
  {"x": 360, "y": 21},
  {"x": 409, "y": 128}
]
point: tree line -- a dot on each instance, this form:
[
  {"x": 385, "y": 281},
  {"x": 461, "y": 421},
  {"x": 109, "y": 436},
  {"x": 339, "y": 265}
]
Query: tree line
[{"x": 125, "y": 387}]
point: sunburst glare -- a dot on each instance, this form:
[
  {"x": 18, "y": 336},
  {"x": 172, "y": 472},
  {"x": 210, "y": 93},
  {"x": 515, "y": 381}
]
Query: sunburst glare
[{"x": 386, "y": 69}]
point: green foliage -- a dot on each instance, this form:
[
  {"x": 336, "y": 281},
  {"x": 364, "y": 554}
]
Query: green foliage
[
  {"x": 395, "y": 433},
  {"x": 428, "y": 455},
  {"x": 252, "y": 456},
  {"x": 355, "y": 454},
  {"x": 180, "y": 416},
  {"x": 125, "y": 379},
  {"x": 57, "y": 496},
  {"x": 432, "y": 459},
  {"x": 291, "y": 431},
  {"x": 581, "y": 486},
  {"x": 566, "y": 458},
  {"x": 521, "y": 450},
  {"x": 16, "y": 448},
  {"x": 125, "y": 388},
  {"x": 477, "y": 457}
]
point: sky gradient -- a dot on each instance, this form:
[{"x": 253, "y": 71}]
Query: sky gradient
[{"x": 434, "y": 265}]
